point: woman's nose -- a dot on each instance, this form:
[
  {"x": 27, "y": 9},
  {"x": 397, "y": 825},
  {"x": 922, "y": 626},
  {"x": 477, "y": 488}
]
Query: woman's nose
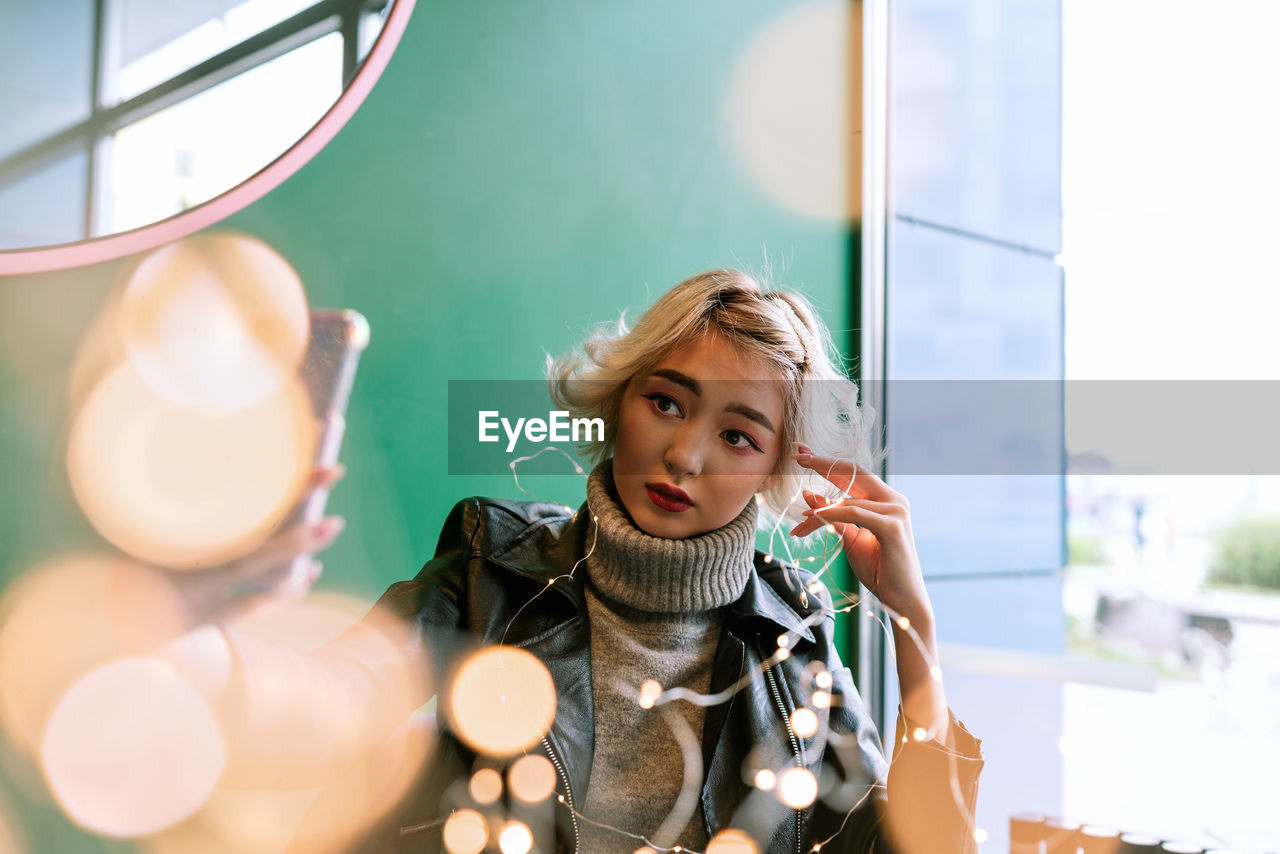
[{"x": 683, "y": 455}]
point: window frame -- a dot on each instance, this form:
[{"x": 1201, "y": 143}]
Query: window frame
[{"x": 93, "y": 134}]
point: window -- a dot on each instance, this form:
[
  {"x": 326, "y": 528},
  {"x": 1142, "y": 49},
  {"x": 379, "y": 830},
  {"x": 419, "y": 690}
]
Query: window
[{"x": 139, "y": 108}]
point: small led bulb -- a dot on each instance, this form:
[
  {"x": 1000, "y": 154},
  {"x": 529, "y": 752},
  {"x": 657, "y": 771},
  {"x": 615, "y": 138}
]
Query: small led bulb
[
  {"x": 804, "y": 722},
  {"x": 649, "y": 693}
]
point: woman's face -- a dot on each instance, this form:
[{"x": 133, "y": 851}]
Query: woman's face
[{"x": 697, "y": 437}]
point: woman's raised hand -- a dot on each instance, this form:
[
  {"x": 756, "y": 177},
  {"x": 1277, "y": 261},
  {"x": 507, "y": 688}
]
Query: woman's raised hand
[
  {"x": 272, "y": 574},
  {"x": 874, "y": 526}
]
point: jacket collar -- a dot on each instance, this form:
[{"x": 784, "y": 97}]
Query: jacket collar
[{"x": 551, "y": 550}]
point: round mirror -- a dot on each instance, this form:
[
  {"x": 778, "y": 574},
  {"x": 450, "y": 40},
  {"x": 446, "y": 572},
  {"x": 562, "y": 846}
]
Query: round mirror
[{"x": 130, "y": 123}]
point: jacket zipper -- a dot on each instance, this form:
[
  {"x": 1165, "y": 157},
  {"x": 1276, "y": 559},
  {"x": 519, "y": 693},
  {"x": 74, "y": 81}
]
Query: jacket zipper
[
  {"x": 568, "y": 793},
  {"x": 795, "y": 744}
]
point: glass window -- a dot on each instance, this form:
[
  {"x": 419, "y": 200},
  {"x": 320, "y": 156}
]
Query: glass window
[
  {"x": 207, "y": 144},
  {"x": 46, "y": 206},
  {"x": 160, "y": 39},
  {"x": 46, "y": 51},
  {"x": 1170, "y": 181}
]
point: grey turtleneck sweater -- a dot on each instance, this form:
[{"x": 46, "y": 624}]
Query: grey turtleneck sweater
[{"x": 655, "y": 610}]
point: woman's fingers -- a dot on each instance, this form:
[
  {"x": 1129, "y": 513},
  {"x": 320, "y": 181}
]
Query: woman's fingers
[
  {"x": 832, "y": 511},
  {"x": 842, "y": 473},
  {"x": 280, "y": 551},
  {"x": 880, "y": 518},
  {"x": 846, "y": 475},
  {"x": 326, "y": 477}
]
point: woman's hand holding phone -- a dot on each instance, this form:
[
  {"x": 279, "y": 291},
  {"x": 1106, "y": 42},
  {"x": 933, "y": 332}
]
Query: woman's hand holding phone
[{"x": 271, "y": 575}]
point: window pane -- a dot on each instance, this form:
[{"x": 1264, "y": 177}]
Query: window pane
[
  {"x": 160, "y": 38},
  {"x": 45, "y": 207},
  {"x": 1169, "y": 185},
  {"x": 205, "y": 145},
  {"x": 45, "y": 64}
]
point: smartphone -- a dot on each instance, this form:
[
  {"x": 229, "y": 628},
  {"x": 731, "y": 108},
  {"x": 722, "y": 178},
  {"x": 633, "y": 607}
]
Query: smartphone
[{"x": 328, "y": 370}]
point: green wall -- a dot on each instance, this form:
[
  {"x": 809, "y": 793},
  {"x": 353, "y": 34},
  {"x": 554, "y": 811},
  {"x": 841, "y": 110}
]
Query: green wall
[{"x": 522, "y": 171}]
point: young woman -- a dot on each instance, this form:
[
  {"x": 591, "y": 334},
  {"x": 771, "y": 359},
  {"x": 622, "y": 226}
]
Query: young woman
[{"x": 724, "y": 398}]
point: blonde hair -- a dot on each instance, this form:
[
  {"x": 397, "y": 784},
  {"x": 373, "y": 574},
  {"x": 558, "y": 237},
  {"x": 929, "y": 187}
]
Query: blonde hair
[{"x": 777, "y": 328}]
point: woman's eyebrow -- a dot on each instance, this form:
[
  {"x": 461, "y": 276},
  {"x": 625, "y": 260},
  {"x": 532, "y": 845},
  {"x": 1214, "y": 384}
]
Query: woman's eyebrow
[
  {"x": 679, "y": 379},
  {"x": 696, "y": 387},
  {"x": 754, "y": 414}
]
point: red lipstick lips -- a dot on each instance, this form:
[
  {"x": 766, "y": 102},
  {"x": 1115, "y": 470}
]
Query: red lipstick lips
[{"x": 668, "y": 497}]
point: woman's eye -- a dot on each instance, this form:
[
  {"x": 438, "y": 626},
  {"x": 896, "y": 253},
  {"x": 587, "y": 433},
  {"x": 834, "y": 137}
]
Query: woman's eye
[
  {"x": 663, "y": 403},
  {"x": 738, "y": 440}
]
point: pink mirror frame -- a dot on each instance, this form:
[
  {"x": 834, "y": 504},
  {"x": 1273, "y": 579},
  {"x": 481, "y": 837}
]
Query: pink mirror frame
[{"x": 46, "y": 258}]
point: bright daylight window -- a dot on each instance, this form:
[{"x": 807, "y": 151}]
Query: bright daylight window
[{"x": 1169, "y": 187}]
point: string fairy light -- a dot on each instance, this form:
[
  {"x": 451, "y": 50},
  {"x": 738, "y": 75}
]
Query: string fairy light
[
  {"x": 465, "y": 832},
  {"x": 485, "y": 786},
  {"x": 518, "y": 460},
  {"x": 516, "y": 838},
  {"x": 804, "y": 722},
  {"x": 796, "y": 786},
  {"x": 650, "y": 691}
]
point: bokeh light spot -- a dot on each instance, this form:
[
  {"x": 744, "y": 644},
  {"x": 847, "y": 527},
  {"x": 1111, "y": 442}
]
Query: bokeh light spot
[
  {"x": 132, "y": 748},
  {"x": 765, "y": 780},
  {"x": 732, "y": 842},
  {"x": 67, "y": 616},
  {"x": 804, "y": 722},
  {"x": 465, "y": 832},
  {"x": 184, "y": 489},
  {"x": 532, "y": 778},
  {"x": 794, "y": 109},
  {"x": 515, "y": 838},
  {"x": 797, "y": 788},
  {"x": 214, "y": 323},
  {"x": 485, "y": 786},
  {"x": 502, "y": 700}
]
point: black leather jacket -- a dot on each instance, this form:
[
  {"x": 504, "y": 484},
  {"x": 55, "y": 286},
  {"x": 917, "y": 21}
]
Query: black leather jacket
[{"x": 495, "y": 556}]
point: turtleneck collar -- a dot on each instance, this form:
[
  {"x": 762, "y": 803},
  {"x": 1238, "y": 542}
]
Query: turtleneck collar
[{"x": 661, "y": 575}]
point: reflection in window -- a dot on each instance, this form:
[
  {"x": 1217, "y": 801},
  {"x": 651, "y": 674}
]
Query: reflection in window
[
  {"x": 159, "y": 38},
  {"x": 163, "y": 137},
  {"x": 45, "y": 55},
  {"x": 204, "y": 145},
  {"x": 46, "y": 207}
]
